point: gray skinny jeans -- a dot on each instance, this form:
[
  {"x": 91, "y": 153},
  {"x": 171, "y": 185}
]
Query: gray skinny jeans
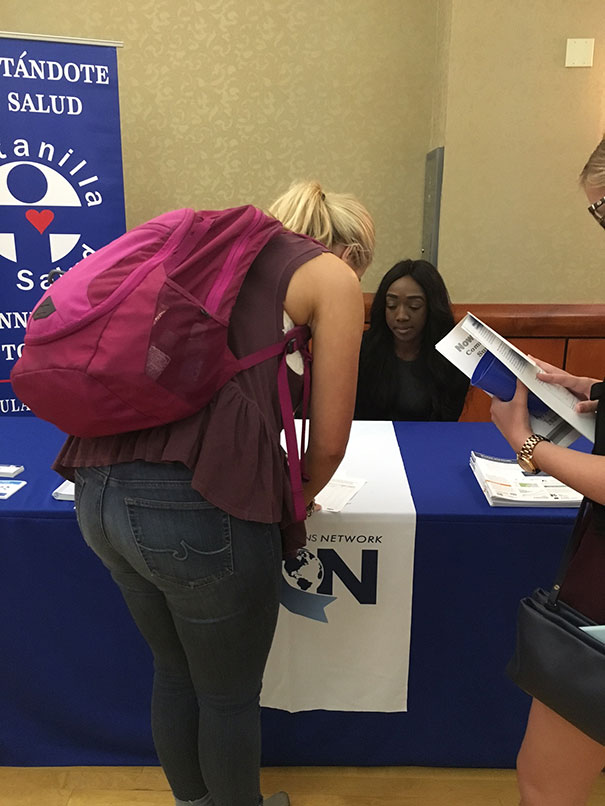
[{"x": 203, "y": 589}]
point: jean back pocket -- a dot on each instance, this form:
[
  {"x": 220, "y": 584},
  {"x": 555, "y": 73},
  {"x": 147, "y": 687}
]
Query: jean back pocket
[{"x": 187, "y": 542}]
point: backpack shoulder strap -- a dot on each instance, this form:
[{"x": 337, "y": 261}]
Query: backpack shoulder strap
[{"x": 295, "y": 340}]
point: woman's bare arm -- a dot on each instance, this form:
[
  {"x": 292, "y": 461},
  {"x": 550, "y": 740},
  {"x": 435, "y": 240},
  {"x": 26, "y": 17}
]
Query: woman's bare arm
[
  {"x": 581, "y": 471},
  {"x": 325, "y": 294}
]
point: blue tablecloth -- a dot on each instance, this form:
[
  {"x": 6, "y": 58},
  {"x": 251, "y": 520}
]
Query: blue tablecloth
[{"x": 75, "y": 675}]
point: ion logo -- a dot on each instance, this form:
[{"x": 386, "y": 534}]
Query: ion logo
[{"x": 308, "y": 581}]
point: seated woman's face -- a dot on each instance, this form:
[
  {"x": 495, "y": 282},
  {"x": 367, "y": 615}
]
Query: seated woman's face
[{"x": 406, "y": 310}]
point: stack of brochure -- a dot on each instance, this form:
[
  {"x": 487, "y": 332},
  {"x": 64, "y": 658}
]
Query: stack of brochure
[
  {"x": 10, "y": 471},
  {"x": 504, "y": 484},
  {"x": 64, "y": 492}
]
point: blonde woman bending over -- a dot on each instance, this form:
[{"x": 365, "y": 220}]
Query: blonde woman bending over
[{"x": 217, "y": 482}]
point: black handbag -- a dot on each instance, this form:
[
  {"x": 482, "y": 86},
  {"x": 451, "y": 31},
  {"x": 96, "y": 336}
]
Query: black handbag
[{"x": 557, "y": 662}]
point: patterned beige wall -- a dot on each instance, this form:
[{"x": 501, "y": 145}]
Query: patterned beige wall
[
  {"x": 519, "y": 128},
  {"x": 225, "y": 102},
  {"x": 443, "y": 32}
]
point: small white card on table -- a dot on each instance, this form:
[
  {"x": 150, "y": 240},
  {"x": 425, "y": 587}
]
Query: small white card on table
[{"x": 9, "y": 487}]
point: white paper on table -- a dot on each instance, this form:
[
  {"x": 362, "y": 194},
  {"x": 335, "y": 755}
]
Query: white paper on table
[{"x": 338, "y": 492}]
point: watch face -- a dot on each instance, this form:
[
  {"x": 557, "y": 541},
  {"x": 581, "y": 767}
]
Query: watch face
[{"x": 525, "y": 464}]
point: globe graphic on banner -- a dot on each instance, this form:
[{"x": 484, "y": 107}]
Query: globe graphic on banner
[{"x": 304, "y": 572}]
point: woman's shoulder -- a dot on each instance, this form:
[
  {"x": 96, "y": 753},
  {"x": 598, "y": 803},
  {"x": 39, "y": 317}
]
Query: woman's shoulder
[
  {"x": 287, "y": 246},
  {"x": 324, "y": 289}
]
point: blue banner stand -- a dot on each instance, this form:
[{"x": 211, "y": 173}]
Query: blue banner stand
[{"x": 61, "y": 178}]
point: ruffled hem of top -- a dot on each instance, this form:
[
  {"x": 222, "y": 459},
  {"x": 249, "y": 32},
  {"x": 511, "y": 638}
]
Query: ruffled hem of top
[{"x": 243, "y": 448}]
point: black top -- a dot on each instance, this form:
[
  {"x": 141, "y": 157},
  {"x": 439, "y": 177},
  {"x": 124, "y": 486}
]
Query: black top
[
  {"x": 410, "y": 393},
  {"x": 412, "y": 397},
  {"x": 582, "y": 587}
]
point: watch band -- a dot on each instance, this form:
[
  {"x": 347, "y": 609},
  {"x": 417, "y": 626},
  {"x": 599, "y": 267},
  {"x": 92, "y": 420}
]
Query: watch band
[{"x": 525, "y": 456}]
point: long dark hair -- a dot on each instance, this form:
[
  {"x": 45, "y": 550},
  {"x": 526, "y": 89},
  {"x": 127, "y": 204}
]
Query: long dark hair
[{"x": 378, "y": 361}]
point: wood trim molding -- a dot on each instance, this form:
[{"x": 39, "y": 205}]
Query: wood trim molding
[{"x": 532, "y": 320}]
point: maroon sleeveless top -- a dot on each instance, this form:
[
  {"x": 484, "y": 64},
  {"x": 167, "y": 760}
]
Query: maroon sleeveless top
[{"x": 232, "y": 445}]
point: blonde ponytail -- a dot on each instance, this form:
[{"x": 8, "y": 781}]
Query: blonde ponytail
[{"x": 331, "y": 218}]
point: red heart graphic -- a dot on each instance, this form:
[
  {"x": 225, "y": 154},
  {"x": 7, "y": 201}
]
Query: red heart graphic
[{"x": 40, "y": 219}]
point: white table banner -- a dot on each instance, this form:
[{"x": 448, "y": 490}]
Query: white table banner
[{"x": 343, "y": 634}]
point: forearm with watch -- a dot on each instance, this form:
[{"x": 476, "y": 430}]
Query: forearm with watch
[{"x": 583, "y": 472}]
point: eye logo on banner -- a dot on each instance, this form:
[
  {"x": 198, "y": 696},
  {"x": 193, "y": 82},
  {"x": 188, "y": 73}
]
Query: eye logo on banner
[
  {"x": 32, "y": 199},
  {"x": 61, "y": 184}
]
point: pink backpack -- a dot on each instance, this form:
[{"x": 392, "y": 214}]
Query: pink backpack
[{"x": 135, "y": 335}]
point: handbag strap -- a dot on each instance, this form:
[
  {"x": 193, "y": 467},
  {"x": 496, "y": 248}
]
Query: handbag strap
[
  {"x": 596, "y": 393},
  {"x": 569, "y": 551}
]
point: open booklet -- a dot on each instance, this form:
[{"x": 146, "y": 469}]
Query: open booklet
[
  {"x": 504, "y": 484},
  {"x": 467, "y": 343}
]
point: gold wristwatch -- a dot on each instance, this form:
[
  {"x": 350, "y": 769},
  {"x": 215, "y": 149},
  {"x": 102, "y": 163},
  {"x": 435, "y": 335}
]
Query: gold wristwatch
[{"x": 525, "y": 457}]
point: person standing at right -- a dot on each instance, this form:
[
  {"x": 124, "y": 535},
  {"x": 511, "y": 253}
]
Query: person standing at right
[{"x": 557, "y": 763}]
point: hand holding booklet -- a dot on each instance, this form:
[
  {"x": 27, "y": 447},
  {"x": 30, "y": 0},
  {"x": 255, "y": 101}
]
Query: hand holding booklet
[{"x": 551, "y": 407}]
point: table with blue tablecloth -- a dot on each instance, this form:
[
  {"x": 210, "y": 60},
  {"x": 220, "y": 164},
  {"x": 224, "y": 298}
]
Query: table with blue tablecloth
[{"x": 75, "y": 676}]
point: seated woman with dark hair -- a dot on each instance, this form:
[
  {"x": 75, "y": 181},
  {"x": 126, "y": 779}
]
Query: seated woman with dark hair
[{"x": 401, "y": 375}]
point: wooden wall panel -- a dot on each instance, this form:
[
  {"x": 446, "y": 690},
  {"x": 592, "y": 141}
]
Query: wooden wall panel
[
  {"x": 538, "y": 321},
  {"x": 551, "y": 350},
  {"x": 541, "y": 321},
  {"x": 586, "y": 357},
  {"x": 476, "y": 407}
]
